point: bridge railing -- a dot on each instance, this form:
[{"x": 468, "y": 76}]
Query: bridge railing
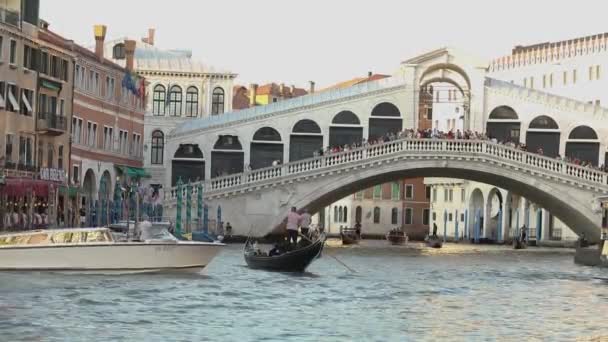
[{"x": 415, "y": 146}]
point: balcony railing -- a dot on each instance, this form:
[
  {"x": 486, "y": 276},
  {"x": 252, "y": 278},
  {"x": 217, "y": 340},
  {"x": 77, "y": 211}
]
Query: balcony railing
[
  {"x": 10, "y": 17},
  {"x": 52, "y": 123}
]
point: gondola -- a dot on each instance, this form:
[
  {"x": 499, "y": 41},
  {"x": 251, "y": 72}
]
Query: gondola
[
  {"x": 396, "y": 237},
  {"x": 296, "y": 260},
  {"x": 349, "y": 236},
  {"x": 434, "y": 242},
  {"x": 519, "y": 244}
]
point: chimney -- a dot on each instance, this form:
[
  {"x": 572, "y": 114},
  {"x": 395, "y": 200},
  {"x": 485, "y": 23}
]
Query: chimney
[
  {"x": 311, "y": 88},
  {"x": 130, "y": 53},
  {"x": 100, "y": 37},
  {"x": 282, "y": 90},
  {"x": 253, "y": 89},
  {"x": 150, "y": 38}
]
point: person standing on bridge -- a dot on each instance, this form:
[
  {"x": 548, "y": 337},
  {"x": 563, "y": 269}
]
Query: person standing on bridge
[{"x": 293, "y": 219}]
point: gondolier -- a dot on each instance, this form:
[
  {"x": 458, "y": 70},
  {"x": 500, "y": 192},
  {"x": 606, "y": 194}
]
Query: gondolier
[
  {"x": 305, "y": 221},
  {"x": 293, "y": 219}
]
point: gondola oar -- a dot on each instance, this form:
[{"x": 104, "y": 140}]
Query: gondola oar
[{"x": 338, "y": 260}]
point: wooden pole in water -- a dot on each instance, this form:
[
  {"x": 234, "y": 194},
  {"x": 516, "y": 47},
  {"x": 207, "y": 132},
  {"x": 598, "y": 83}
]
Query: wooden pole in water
[{"x": 338, "y": 260}]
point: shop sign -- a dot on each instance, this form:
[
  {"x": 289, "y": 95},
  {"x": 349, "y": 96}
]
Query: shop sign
[{"x": 54, "y": 175}]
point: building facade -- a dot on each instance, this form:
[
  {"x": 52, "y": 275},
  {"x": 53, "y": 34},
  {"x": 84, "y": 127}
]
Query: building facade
[
  {"x": 36, "y": 84},
  {"x": 178, "y": 88},
  {"x": 107, "y": 129}
]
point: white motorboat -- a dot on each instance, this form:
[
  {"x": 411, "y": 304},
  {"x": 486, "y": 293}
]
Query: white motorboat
[{"x": 97, "y": 250}]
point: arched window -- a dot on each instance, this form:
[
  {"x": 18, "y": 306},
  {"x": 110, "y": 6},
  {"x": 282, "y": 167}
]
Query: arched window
[
  {"x": 394, "y": 216},
  {"x": 118, "y": 52},
  {"x": 335, "y": 214},
  {"x": 192, "y": 102},
  {"x": 158, "y": 146},
  {"x": 583, "y": 133},
  {"x": 175, "y": 101},
  {"x": 306, "y": 126},
  {"x": 346, "y": 117},
  {"x": 386, "y": 109},
  {"x": 345, "y": 215},
  {"x": 543, "y": 122},
  {"x": 503, "y": 113},
  {"x": 217, "y": 101},
  {"x": 376, "y": 215},
  {"x": 158, "y": 100},
  {"x": 358, "y": 214},
  {"x": 267, "y": 134},
  {"x": 341, "y": 214}
]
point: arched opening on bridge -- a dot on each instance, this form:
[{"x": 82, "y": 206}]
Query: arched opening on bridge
[
  {"x": 476, "y": 215},
  {"x": 543, "y": 136},
  {"x": 345, "y": 129},
  {"x": 227, "y": 156},
  {"x": 266, "y": 147},
  {"x": 494, "y": 206},
  {"x": 385, "y": 119},
  {"x": 503, "y": 124},
  {"x": 306, "y": 139},
  {"x": 583, "y": 145},
  {"x": 358, "y": 214},
  {"x": 188, "y": 164},
  {"x": 444, "y": 98},
  {"x": 89, "y": 187}
]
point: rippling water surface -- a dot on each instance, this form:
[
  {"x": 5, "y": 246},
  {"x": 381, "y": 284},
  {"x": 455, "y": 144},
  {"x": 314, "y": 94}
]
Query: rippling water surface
[{"x": 397, "y": 294}]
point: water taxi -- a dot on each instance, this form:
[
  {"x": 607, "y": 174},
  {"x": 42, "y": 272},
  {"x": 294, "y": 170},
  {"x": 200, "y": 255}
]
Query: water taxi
[{"x": 99, "y": 250}]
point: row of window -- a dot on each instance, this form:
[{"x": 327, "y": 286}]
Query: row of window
[
  {"x": 16, "y": 100},
  {"x": 89, "y": 80},
  {"x": 36, "y": 59},
  {"x": 448, "y": 195},
  {"x": 567, "y": 77},
  {"x": 88, "y": 136},
  {"x": 171, "y": 102},
  {"x": 395, "y": 192},
  {"x": 450, "y": 217},
  {"x": 25, "y": 155},
  {"x": 408, "y": 215}
]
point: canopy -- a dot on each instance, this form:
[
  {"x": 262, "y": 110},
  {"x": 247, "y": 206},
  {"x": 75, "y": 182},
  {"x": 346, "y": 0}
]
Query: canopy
[
  {"x": 22, "y": 187},
  {"x": 50, "y": 85},
  {"x": 133, "y": 172}
]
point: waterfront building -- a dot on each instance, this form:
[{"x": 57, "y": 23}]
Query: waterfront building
[
  {"x": 179, "y": 88},
  {"x": 36, "y": 85},
  {"x": 107, "y": 127}
]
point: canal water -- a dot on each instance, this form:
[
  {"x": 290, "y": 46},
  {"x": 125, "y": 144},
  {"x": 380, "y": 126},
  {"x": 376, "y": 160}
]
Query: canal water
[{"x": 458, "y": 293}]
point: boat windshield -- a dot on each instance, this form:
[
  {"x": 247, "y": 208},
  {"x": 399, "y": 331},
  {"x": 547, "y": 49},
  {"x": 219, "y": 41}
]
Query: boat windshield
[
  {"x": 151, "y": 231},
  {"x": 81, "y": 237},
  {"x": 27, "y": 239}
]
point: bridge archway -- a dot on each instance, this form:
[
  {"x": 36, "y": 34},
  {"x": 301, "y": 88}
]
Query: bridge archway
[
  {"x": 576, "y": 214},
  {"x": 385, "y": 118},
  {"x": 266, "y": 147},
  {"x": 504, "y": 124},
  {"x": 583, "y": 144},
  {"x": 345, "y": 129},
  {"x": 543, "y": 134},
  {"x": 494, "y": 213},
  {"x": 227, "y": 156},
  {"x": 477, "y": 212},
  {"x": 188, "y": 164},
  {"x": 306, "y": 139}
]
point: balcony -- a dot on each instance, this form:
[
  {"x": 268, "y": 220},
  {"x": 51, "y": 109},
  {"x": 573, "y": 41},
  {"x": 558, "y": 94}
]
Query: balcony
[
  {"x": 10, "y": 17},
  {"x": 52, "y": 124}
]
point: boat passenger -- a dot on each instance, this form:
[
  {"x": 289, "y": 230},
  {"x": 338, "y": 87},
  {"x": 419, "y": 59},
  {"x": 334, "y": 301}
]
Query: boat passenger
[
  {"x": 276, "y": 250},
  {"x": 305, "y": 221},
  {"x": 293, "y": 218},
  {"x": 228, "y": 229}
]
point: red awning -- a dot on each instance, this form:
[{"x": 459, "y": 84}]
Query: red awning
[{"x": 23, "y": 187}]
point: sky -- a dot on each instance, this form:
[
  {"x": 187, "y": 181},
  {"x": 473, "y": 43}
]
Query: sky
[{"x": 327, "y": 41}]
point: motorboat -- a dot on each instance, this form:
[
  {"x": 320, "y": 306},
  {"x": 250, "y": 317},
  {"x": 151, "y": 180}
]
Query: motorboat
[
  {"x": 98, "y": 250},
  {"x": 294, "y": 260},
  {"x": 434, "y": 242},
  {"x": 397, "y": 237}
]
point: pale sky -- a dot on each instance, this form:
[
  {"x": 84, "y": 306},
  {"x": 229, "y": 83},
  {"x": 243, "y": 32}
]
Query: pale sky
[{"x": 327, "y": 41}]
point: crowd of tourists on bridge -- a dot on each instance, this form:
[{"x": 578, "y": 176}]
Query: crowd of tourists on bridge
[{"x": 451, "y": 135}]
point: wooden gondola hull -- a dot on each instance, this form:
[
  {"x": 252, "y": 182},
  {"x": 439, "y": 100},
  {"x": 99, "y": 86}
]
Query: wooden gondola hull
[
  {"x": 396, "y": 239},
  {"x": 294, "y": 261},
  {"x": 434, "y": 243},
  {"x": 348, "y": 239}
]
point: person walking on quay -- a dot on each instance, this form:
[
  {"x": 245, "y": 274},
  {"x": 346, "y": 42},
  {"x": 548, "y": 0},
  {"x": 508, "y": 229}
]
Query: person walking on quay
[
  {"x": 305, "y": 220},
  {"x": 293, "y": 218},
  {"x": 358, "y": 229}
]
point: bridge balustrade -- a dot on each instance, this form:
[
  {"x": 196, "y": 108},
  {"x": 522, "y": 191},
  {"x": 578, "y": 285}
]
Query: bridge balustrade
[{"x": 500, "y": 152}]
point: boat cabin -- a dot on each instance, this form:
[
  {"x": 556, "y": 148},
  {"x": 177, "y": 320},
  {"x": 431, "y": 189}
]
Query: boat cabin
[{"x": 59, "y": 236}]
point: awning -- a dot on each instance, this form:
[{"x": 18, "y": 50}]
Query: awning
[
  {"x": 2, "y": 102},
  {"x": 22, "y": 187},
  {"x": 26, "y": 102},
  {"x": 133, "y": 172},
  {"x": 12, "y": 99},
  {"x": 50, "y": 85}
]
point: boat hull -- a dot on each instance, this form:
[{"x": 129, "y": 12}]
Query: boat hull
[
  {"x": 115, "y": 258},
  {"x": 434, "y": 243},
  {"x": 348, "y": 239},
  {"x": 396, "y": 239},
  {"x": 295, "y": 261}
]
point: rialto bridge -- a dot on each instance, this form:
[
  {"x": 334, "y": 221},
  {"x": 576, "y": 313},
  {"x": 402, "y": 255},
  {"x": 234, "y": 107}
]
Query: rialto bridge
[{"x": 218, "y": 149}]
